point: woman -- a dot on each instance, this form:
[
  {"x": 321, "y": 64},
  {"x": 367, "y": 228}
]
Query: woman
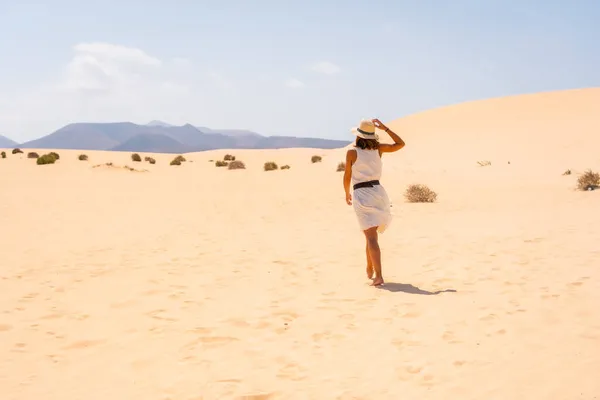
[{"x": 371, "y": 202}]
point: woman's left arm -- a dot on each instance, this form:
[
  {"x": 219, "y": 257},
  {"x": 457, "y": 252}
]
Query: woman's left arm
[{"x": 389, "y": 148}]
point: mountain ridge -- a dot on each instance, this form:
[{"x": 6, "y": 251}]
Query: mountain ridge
[{"x": 161, "y": 137}]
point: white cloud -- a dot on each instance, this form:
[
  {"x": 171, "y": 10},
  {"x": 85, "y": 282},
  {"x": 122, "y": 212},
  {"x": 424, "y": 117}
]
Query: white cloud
[
  {"x": 107, "y": 82},
  {"x": 294, "y": 83},
  {"x": 104, "y": 67},
  {"x": 326, "y": 67}
]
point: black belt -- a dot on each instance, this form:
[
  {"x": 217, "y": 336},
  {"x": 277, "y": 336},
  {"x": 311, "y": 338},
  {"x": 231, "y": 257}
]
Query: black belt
[{"x": 366, "y": 184}]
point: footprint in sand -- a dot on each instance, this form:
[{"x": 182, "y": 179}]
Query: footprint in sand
[
  {"x": 122, "y": 304},
  {"x": 83, "y": 344},
  {"x": 210, "y": 341},
  {"x": 52, "y": 316},
  {"x": 262, "y": 396},
  {"x": 154, "y": 315},
  {"x": 292, "y": 372}
]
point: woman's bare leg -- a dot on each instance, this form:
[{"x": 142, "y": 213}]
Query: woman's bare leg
[
  {"x": 374, "y": 254},
  {"x": 370, "y": 270}
]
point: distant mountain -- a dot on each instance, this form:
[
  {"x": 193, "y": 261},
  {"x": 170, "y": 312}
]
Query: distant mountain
[
  {"x": 159, "y": 123},
  {"x": 151, "y": 143},
  {"x": 6, "y": 143},
  {"x": 87, "y": 136},
  {"x": 160, "y": 137},
  {"x": 230, "y": 132}
]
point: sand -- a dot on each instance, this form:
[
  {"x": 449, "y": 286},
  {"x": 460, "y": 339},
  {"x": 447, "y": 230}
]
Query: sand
[{"x": 196, "y": 282}]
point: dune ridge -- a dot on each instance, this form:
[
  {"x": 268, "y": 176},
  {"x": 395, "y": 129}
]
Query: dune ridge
[{"x": 197, "y": 282}]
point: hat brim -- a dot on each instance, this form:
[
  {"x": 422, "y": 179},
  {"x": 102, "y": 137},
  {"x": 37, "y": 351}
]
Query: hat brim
[{"x": 362, "y": 135}]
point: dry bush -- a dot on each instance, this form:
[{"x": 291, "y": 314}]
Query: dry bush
[
  {"x": 285, "y": 167},
  {"x": 17, "y": 151},
  {"x": 3, "y": 154},
  {"x": 567, "y": 172},
  {"x": 136, "y": 157},
  {"x": 175, "y": 161},
  {"x": 484, "y": 163},
  {"x": 150, "y": 160},
  {"x": 316, "y": 159},
  {"x": 270, "y": 166},
  {"x": 236, "y": 164},
  {"x": 180, "y": 158},
  {"x": 55, "y": 155},
  {"x": 420, "y": 194},
  {"x": 220, "y": 163},
  {"x": 229, "y": 157},
  {"x": 82, "y": 157},
  {"x": 46, "y": 159},
  {"x": 341, "y": 167},
  {"x": 33, "y": 154},
  {"x": 589, "y": 180}
]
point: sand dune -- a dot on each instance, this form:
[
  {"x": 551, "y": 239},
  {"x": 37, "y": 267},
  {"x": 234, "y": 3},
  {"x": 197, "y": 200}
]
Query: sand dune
[{"x": 196, "y": 282}]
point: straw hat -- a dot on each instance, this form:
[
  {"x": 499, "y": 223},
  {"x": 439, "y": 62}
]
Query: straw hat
[{"x": 366, "y": 130}]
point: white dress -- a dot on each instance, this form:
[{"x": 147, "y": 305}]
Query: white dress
[{"x": 371, "y": 204}]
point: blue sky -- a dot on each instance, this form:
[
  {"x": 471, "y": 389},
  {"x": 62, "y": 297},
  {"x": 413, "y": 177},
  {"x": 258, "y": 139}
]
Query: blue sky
[{"x": 304, "y": 68}]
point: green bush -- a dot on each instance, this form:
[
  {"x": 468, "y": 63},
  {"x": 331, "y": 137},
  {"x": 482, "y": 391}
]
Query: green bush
[
  {"x": 270, "y": 166},
  {"x": 589, "y": 180},
  {"x": 236, "y": 164},
  {"x": 55, "y": 155},
  {"x": 46, "y": 159},
  {"x": 420, "y": 194}
]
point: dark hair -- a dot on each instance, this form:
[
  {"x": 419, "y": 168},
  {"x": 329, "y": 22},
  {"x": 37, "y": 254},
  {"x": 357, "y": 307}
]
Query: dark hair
[{"x": 367, "y": 144}]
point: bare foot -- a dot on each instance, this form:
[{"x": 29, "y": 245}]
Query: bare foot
[
  {"x": 377, "y": 282},
  {"x": 370, "y": 271}
]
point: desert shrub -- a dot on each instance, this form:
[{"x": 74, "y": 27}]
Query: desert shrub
[
  {"x": 220, "y": 163},
  {"x": 236, "y": 164},
  {"x": 16, "y": 151},
  {"x": 55, "y": 155},
  {"x": 270, "y": 166},
  {"x": 136, "y": 157},
  {"x": 229, "y": 157},
  {"x": 175, "y": 161},
  {"x": 589, "y": 180},
  {"x": 180, "y": 158},
  {"x": 285, "y": 167},
  {"x": 567, "y": 172},
  {"x": 82, "y": 157},
  {"x": 150, "y": 160},
  {"x": 46, "y": 159},
  {"x": 3, "y": 154},
  {"x": 316, "y": 159},
  {"x": 33, "y": 154},
  {"x": 341, "y": 167},
  {"x": 420, "y": 194}
]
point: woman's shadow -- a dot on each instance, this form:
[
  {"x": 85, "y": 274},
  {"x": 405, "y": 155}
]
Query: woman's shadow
[{"x": 408, "y": 288}]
